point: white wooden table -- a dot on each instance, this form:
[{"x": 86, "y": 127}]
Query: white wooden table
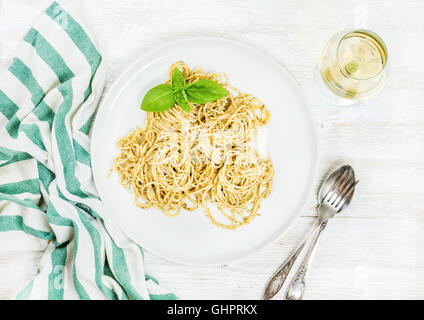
[{"x": 373, "y": 251}]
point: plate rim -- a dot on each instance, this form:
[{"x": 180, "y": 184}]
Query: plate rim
[{"x": 312, "y": 132}]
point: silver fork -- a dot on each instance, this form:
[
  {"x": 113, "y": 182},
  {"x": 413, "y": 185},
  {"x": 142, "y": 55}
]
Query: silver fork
[{"x": 334, "y": 195}]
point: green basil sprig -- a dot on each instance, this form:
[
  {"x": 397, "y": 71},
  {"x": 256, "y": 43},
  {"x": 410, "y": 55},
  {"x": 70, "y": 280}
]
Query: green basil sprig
[{"x": 165, "y": 96}]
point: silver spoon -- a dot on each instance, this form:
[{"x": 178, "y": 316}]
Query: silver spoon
[{"x": 334, "y": 196}]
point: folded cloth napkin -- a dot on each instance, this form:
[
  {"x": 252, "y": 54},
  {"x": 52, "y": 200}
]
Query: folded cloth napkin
[{"x": 48, "y": 98}]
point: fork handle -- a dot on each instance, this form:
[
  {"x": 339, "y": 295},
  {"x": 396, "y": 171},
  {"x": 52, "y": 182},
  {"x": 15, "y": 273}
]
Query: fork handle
[
  {"x": 296, "y": 288},
  {"x": 277, "y": 280}
]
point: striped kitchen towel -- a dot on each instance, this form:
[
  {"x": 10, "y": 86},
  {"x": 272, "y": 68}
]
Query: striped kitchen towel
[{"x": 48, "y": 201}]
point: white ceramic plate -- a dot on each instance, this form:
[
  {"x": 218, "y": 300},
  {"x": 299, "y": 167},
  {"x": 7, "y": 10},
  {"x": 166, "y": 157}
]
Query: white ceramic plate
[{"x": 289, "y": 139}]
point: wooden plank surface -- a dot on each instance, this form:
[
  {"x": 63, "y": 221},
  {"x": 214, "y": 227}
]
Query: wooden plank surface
[{"x": 373, "y": 251}]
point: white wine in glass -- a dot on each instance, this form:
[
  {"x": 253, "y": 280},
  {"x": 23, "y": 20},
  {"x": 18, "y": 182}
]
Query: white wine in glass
[{"x": 354, "y": 65}]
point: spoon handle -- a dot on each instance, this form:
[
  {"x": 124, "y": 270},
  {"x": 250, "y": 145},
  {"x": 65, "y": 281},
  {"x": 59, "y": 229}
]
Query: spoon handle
[
  {"x": 297, "y": 286},
  {"x": 277, "y": 280}
]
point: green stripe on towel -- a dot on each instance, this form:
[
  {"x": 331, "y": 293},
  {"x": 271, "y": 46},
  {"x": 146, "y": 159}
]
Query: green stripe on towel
[
  {"x": 7, "y": 106},
  {"x": 8, "y": 156},
  {"x": 50, "y": 56},
  {"x": 30, "y": 186},
  {"x": 16, "y": 223},
  {"x": 57, "y": 276}
]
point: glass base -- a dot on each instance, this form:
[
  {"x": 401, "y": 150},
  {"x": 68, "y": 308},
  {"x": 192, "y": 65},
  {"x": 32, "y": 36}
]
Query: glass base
[{"x": 325, "y": 92}]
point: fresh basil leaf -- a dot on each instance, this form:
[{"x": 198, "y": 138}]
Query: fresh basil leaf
[
  {"x": 204, "y": 90},
  {"x": 158, "y": 99},
  {"x": 177, "y": 79},
  {"x": 182, "y": 101}
]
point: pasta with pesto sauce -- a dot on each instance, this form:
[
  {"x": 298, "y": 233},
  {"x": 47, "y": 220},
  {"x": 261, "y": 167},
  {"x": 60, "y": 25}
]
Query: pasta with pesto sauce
[{"x": 203, "y": 158}]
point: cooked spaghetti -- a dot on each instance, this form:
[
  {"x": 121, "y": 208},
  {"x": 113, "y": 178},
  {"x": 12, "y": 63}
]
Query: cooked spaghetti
[{"x": 205, "y": 158}]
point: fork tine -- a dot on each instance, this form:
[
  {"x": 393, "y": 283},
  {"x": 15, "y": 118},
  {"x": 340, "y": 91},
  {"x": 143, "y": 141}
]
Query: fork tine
[
  {"x": 346, "y": 195},
  {"x": 341, "y": 188},
  {"x": 341, "y": 194},
  {"x": 330, "y": 192}
]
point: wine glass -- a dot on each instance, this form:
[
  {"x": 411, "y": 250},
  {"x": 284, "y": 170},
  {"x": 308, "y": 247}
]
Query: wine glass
[{"x": 354, "y": 65}]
